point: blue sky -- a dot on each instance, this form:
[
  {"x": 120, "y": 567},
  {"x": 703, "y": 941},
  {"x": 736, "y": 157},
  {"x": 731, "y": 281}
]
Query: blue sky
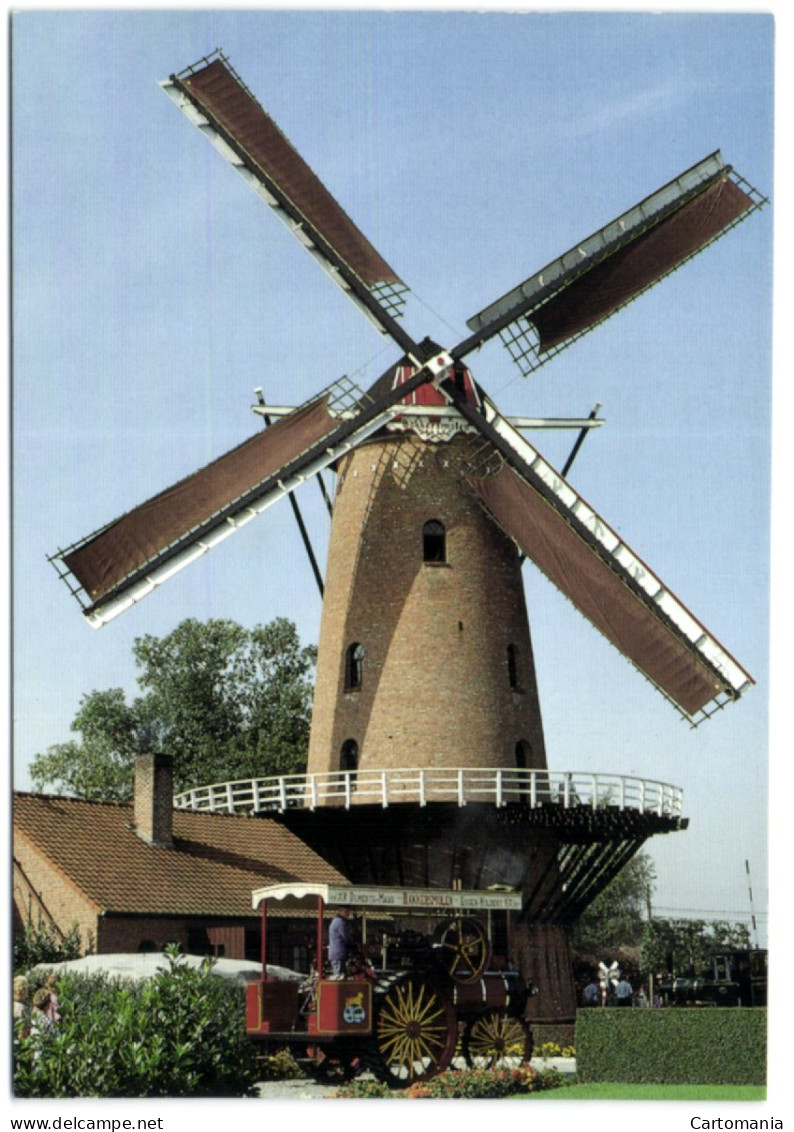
[{"x": 152, "y": 293}]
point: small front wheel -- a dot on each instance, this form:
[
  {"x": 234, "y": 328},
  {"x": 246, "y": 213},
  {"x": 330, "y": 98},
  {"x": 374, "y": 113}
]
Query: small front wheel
[{"x": 496, "y": 1041}]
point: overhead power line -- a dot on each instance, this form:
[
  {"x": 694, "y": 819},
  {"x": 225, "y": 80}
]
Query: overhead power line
[{"x": 744, "y": 914}]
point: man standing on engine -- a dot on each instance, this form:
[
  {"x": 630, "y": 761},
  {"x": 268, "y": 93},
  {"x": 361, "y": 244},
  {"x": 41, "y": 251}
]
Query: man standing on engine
[{"x": 340, "y": 943}]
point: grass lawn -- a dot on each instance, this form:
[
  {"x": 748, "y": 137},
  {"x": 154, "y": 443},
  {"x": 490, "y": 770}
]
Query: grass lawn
[{"x": 604, "y": 1091}]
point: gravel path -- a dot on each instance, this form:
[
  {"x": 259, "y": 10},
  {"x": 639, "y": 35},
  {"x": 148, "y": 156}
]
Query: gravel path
[{"x": 294, "y": 1090}]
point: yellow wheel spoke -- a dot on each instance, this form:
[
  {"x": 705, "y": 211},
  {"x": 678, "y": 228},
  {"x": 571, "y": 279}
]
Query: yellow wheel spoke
[
  {"x": 465, "y": 946},
  {"x": 425, "y": 1016},
  {"x": 495, "y": 1037},
  {"x": 412, "y": 1029},
  {"x": 433, "y": 1046}
]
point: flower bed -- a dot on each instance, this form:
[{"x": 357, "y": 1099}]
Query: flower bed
[{"x": 464, "y": 1084}]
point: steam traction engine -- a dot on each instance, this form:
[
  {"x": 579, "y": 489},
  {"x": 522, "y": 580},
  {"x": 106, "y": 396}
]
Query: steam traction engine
[{"x": 402, "y": 1014}]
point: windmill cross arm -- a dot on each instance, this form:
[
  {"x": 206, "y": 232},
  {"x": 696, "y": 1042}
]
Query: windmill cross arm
[
  {"x": 530, "y": 423},
  {"x": 524, "y": 423}
]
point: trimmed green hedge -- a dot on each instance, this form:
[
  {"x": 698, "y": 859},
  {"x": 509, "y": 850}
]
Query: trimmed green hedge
[{"x": 693, "y": 1046}]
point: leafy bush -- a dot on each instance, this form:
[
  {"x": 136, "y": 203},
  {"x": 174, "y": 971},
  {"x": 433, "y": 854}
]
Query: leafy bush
[
  {"x": 178, "y": 1034},
  {"x": 279, "y": 1066},
  {"x": 706, "y": 1045},
  {"x": 43, "y": 943},
  {"x": 463, "y": 1083}
]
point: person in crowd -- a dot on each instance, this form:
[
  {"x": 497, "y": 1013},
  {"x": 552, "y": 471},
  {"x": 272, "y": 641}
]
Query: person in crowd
[
  {"x": 591, "y": 994},
  {"x": 21, "y": 996},
  {"x": 52, "y": 1005},
  {"x": 624, "y": 992},
  {"x": 41, "y": 1017}
]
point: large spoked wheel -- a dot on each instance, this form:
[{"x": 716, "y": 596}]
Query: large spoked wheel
[
  {"x": 495, "y": 1041},
  {"x": 329, "y": 1064},
  {"x": 415, "y": 1030},
  {"x": 465, "y": 950}
]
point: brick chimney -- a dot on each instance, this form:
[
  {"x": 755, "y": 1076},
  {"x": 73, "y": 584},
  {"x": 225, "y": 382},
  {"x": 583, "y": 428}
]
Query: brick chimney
[{"x": 154, "y": 789}]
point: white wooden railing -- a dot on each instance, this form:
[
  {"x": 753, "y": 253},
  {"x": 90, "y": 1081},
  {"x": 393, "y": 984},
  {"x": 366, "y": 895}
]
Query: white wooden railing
[{"x": 497, "y": 786}]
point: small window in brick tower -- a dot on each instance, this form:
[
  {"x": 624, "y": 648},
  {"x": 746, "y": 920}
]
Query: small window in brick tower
[
  {"x": 434, "y": 541},
  {"x": 512, "y": 667},
  {"x": 349, "y": 757},
  {"x": 354, "y": 666}
]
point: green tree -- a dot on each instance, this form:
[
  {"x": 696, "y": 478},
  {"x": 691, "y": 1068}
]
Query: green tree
[
  {"x": 616, "y": 917},
  {"x": 226, "y": 702},
  {"x": 679, "y": 946},
  {"x": 99, "y": 765}
]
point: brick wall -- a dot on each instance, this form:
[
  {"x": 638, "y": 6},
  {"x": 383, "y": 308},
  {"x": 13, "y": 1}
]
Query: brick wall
[
  {"x": 436, "y": 689},
  {"x": 41, "y": 891},
  {"x": 119, "y": 933},
  {"x": 38, "y": 887}
]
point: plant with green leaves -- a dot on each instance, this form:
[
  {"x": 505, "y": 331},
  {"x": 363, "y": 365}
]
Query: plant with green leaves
[
  {"x": 616, "y": 917},
  {"x": 457, "y": 1084},
  {"x": 554, "y": 1049},
  {"x": 179, "y": 1034},
  {"x": 280, "y": 1065},
  {"x": 41, "y": 941},
  {"x": 709, "y": 1045}
]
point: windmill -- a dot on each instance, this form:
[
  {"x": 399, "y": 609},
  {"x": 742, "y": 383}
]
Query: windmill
[{"x": 427, "y": 744}]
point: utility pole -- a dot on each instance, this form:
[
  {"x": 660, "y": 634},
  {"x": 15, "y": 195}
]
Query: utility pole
[{"x": 752, "y": 909}]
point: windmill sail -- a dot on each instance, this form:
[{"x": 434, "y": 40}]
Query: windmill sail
[
  {"x": 602, "y": 576},
  {"x": 600, "y": 275},
  {"x": 117, "y": 566},
  {"x": 215, "y": 100},
  {"x": 107, "y": 564}
]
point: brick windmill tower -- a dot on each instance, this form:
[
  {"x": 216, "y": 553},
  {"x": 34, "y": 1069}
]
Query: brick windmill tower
[{"x": 427, "y": 763}]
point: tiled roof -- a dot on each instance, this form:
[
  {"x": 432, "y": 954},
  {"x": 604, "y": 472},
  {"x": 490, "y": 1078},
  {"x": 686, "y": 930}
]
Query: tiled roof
[{"x": 215, "y": 863}]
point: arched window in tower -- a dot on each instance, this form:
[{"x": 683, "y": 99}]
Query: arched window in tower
[
  {"x": 434, "y": 541},
  {"x": 348, "y": 758},
  {"x": 354, "y": 666},
  {"x": 512, "y": 666},
  {"x": 523, "y": 754}
]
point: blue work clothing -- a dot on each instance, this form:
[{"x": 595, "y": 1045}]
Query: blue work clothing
[{"x": 340, "y": 941}]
